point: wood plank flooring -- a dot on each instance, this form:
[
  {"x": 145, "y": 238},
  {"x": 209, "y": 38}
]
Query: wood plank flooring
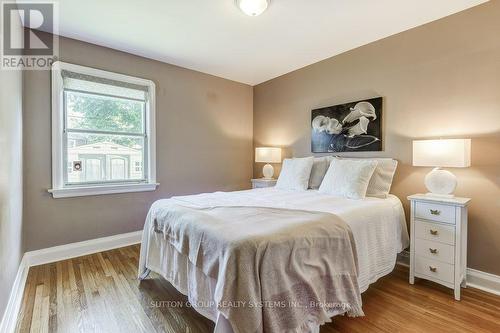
[{"x": 100, "y": 293}]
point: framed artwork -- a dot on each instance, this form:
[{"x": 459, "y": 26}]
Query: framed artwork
[{"x": 355, "y": 126}]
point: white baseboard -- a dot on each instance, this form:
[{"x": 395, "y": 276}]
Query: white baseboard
[
  {"x": 483, "y": 281},
  {"x": 8, "y": 323},
  {"x": 53, "y": 254},
  {"x": 73, "y": 250},
  {"x": 475, "y": 279}
]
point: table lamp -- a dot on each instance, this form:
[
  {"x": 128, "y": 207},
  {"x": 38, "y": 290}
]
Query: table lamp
[
  {"x": 268, "y": 155},
  {"x": 452, "y": 153}
]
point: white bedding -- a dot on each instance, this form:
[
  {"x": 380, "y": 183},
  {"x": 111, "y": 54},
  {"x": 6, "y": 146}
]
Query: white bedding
[{"x": 378, "y": 225}]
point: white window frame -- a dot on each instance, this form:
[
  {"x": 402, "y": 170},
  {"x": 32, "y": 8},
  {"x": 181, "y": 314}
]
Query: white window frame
[{"x": 59, "y": 189}]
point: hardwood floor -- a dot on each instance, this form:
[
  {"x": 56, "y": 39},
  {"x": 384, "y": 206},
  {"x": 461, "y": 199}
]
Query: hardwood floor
[{"x": 100, "y": 293}]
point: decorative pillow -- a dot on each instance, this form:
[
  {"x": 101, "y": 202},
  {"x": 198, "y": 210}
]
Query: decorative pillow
[
  {"x": 381, "y": 181},
  {"x": 318, "y": 171},
  {"x": 380, "y": 184},
  {"x": 348, "y": 178},
  {"x": 295, "y": 174}
]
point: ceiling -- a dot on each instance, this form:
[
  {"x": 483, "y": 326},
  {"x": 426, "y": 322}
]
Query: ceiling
[{"x": 214, "y": 37}]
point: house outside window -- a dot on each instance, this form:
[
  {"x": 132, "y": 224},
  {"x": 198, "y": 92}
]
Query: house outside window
[
  {"x": 138, "y": 166},
  {"x": 103, "y": 132}
]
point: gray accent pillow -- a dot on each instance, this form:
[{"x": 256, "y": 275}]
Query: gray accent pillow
[{"x": 318, "y": 171}]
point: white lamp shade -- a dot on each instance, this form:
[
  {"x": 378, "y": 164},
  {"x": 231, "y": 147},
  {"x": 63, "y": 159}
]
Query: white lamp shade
[
  {"x": 454, "y": 153},
  {"x": 267, "y": 155}
]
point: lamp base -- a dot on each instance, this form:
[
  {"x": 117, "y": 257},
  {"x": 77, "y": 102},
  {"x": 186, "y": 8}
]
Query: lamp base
[
  {"x": 268, "y": 171},
  {"x": 441, "y": 183}
]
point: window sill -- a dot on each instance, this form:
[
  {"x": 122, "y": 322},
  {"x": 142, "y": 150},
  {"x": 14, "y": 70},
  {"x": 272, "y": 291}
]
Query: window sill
[{"x": 100, "y": 190}]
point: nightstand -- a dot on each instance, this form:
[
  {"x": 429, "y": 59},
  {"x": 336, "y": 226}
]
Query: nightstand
[
  {"x": 438, "y": 248},
  {"x": 263, "y": 182}
]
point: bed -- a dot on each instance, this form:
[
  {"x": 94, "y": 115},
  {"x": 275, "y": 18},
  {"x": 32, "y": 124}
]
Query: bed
[{"x": 377, "y": 225}]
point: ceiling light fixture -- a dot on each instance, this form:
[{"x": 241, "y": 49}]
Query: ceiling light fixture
[{"x": 252, "y": 7}]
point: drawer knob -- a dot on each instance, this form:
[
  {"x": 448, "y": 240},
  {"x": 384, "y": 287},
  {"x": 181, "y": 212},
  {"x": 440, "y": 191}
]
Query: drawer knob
[
  {"x": 432, "y": 269},
  {"x": 433, "y": 232},
  {"x": 435, "y": 212},
  {"x": 433, "y": 251}
]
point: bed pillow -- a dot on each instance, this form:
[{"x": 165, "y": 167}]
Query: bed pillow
[
  {"x": 380, "y": 184},
  {"x": 348, "y": 178},
  {"x": 381, "y": 181},
  {"x": 318, "y": 171},
  {"x": 295, "y": 174}
]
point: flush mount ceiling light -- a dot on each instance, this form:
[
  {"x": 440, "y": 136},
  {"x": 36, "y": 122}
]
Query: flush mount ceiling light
[{"x": 252, "y": 7}]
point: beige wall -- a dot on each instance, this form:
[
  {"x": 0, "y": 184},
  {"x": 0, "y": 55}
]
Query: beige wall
[
  {"x": 10, "y": 179},
  {"x": 204, "y": 143},
  {"x": 437, "y": 80}
]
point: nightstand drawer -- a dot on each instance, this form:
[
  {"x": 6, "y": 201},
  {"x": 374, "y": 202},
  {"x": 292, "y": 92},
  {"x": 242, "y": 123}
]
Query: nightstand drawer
[
  {"x": 435, "y": 250},
  {"x": 435, "y": 232},
  {"x": 435, "y": 212},
  {"x": 435, "y": 269}
]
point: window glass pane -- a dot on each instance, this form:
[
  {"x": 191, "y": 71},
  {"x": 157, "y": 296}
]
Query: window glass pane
[
  {"x": 97, "y": 158},
  {"x": 92, "y": 169},
  {"x": 103, "y": 113},
  {"x": 118, "y": 168}
]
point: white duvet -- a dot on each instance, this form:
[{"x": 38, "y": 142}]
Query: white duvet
[{"x": 378, "y": 225}]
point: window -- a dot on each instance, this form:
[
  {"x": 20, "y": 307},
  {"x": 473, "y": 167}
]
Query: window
[{"x": 103, "y": 132}]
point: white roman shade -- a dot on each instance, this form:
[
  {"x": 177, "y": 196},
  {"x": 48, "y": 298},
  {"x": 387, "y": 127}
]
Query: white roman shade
[{"x": 85, "y": 83}]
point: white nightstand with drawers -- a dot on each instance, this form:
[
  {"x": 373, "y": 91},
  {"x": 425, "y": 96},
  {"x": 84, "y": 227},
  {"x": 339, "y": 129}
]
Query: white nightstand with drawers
[{"x": 438, "y": 248}]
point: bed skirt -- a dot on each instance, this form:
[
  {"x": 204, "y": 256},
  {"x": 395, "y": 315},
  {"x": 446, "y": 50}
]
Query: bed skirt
[{"x": 163, "y": 259}]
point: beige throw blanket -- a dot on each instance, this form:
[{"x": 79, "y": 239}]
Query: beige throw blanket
[{"x": 277, "y": 270}]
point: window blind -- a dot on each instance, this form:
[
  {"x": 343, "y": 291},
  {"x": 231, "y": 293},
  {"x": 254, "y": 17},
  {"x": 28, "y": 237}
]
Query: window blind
[{"x": 101, "y": 86}]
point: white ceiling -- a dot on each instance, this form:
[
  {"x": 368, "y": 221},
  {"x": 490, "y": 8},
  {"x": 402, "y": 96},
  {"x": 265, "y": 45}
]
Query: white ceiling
[{"x": 213, "y": 36}]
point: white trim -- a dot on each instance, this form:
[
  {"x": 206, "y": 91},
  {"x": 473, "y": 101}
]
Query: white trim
[
  {"x": 73, "y": 250},
  {"x": 483, "y": 281},
  {"x": 487, "y": 282},
  {"x": 58, "y": 188},
  {"x": 99, "y": 190},
  {"x": 53, "y": 254},
  {"x": 9, "y": 319},
  {"x": 57, "y": 126}
]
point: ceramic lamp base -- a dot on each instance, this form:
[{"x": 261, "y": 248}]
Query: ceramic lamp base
[
  {"x": 268, "y": 171},
  {"x": 441, "y": 183}
]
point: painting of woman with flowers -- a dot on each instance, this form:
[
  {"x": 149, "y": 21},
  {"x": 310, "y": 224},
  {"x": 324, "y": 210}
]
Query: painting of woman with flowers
[{"x": 355, "y": 126}]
